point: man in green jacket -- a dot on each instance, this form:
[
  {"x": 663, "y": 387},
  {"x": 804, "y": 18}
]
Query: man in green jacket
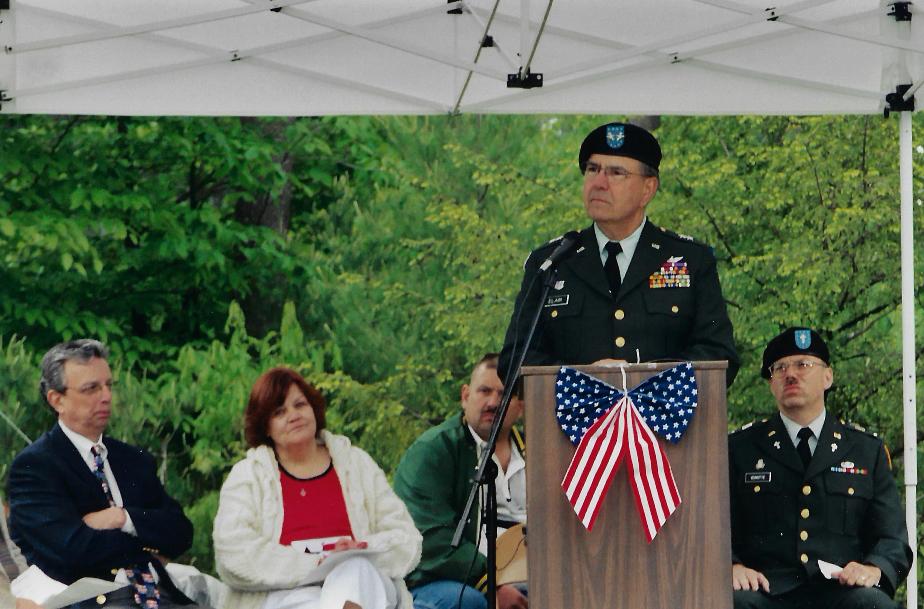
[{"x": 434, "y": 480}]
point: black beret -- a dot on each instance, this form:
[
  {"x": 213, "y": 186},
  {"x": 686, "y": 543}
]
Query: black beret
[
  {"x": 621, "y": 139},
  {"x": 794, "y": 341}
]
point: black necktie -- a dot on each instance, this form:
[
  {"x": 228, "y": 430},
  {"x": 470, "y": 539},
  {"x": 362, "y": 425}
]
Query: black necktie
[
  {"x": 611, "y": 268},
  {"x": 803, "y": 447}
]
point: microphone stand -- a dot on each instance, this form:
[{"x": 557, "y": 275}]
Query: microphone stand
[{"x": 486, "y": 473}]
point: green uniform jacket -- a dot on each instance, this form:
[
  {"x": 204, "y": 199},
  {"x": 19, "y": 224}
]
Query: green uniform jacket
[
  {"x": 582, "y": 323},
  {"x": 844, "y": 507},
  {"x": 434, "y": 480}
]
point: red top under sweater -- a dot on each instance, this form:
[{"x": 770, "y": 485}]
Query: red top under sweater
[{"x": 313, "y": 507}]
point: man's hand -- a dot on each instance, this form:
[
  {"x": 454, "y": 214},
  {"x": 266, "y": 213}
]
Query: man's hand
[
  {"x": 608, "y": 362},
  {"x": 110, "y": 518},
  {"x": 345, "y": 543},
  {"x": 855, "y": 574},
  {"x": 748, "y": 579},
  {"x": 24, "y": 603},
  {"x": 508, "y": 597}
]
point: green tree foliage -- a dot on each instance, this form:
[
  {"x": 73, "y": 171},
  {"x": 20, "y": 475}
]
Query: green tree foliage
[
  {"x": 141, "y": 230},
  {"x": 380, "y": 257}
]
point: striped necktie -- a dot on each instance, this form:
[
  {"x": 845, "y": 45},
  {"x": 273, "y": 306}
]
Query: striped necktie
[{"x": 147, "y": 596}]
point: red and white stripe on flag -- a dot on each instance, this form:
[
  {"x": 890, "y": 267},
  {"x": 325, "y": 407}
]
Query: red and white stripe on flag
[{"x": 621, "y": 432}]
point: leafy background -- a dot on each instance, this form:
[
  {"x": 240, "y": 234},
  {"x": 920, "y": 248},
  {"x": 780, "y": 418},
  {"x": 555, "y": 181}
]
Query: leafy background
[{"x": 380, "y": 257}]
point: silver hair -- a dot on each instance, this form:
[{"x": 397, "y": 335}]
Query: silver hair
[{"x": 81, "y": 350}]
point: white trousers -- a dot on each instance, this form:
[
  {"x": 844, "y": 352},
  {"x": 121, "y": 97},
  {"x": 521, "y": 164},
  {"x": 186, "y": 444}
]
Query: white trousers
[{"x": 355, "y": 579}]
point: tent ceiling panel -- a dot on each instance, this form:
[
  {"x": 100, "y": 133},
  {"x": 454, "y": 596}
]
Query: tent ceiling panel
[
  {"x": 662, "y": 90},
  {"x": 315, "y": 57}
]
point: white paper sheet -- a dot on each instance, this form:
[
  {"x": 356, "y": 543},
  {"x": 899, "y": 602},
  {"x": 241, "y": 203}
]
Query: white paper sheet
[
  {"x": 827, "y": 568},
  {"x": 34, "y": 585}
]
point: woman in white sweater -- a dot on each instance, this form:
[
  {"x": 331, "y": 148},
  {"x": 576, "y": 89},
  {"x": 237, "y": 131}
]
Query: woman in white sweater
[{"x": 306, "y": 520}]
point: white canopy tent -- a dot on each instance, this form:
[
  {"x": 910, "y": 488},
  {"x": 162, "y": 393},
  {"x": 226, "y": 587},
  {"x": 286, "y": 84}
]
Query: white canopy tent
[{"x": 319, "y": 57}]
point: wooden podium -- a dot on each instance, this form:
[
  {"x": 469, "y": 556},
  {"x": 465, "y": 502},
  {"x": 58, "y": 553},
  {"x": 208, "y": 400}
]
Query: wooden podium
[{"x": 686, "y": 566}]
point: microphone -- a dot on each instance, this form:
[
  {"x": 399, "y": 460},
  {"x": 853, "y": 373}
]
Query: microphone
[{"x": 568, "y": 241}]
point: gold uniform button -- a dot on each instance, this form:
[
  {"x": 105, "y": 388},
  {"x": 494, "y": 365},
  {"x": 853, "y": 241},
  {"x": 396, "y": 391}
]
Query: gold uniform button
[
  {"x": 757, "y": 488},
  {"x": 554, "y": 314},
  {"x": 804, "y": 513},
  {"x": 803, "y": 535},
  {"x": 114, "y": 571},
  {"x": 101, "y": 599},
  {"x": 806, "y": 490},
  {"x": 675, "y": 309},
  {"x": 619, "y": 314},
  {"x": 850, "y": 491},
  {"x": 620, "y": 341},
  {"x": 804, "y": 558}
]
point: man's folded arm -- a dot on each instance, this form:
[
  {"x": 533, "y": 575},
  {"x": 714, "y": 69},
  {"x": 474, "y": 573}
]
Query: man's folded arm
[
  {"x": 160, "y": 522},
  {"x": 44, "y": 518}
]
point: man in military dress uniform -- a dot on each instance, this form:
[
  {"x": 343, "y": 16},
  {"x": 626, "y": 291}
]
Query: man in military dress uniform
[
  {"x": 631, "y": 291},
  {"x": 811, "y": 495}
]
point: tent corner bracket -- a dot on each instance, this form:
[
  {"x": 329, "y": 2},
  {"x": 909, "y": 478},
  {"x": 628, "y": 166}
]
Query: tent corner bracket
[
  {"x": 901, "y": 11},
  {"x": 896, "y": 102},
  {"x": 529, "y": 80}
]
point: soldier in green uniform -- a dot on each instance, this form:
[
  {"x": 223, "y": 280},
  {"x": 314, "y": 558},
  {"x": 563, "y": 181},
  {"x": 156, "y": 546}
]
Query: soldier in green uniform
[
  {"x": 815, "y": 514},
  {"x": 630, "y": 291}
]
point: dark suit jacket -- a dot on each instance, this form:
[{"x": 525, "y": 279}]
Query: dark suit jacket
[
  {"x": 51, "y": 488},
  {"x": 845, "y": 505},
  {"x": 582, "y": 323}
]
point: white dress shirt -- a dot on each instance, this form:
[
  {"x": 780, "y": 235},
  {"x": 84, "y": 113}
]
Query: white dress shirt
[
  {"x": 792, "y": 428},
  {"x": 84, "y": 446},
  {"x": 624, "y": 258},
  {"x": 509, "y": 487}
]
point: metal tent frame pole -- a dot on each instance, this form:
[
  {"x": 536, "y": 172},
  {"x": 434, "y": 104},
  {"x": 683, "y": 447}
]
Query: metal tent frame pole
[{"x": 909, "y": 375}]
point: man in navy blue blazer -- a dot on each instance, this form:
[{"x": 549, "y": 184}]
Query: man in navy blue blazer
[{"x": 60, "y": 513}]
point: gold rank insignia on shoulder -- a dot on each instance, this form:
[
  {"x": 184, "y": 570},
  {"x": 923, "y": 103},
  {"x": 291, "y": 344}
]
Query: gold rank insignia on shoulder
[
  {"x": 837, "y": 435},
  {"x": 771, "y": 433}
]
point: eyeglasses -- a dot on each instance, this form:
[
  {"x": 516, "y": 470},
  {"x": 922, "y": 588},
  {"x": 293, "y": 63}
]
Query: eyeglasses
[
  {"x": 92, "y": 389},
  {"x": 799, "y": 367},
  {"x": 613, "y": 172}
]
